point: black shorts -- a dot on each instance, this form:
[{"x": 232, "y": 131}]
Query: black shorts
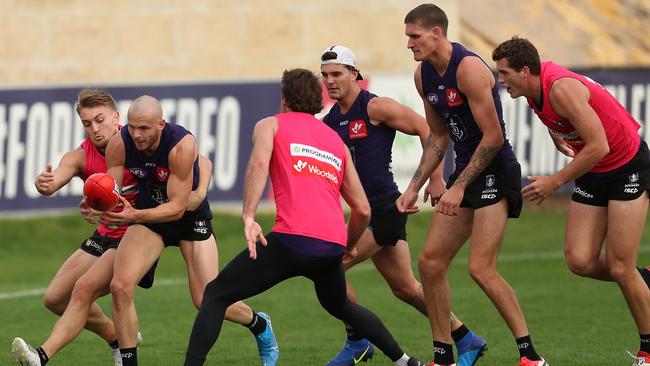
[
  {"x": 387, "y": 224},
  {"x": 97, "y": 244},
  {"x": 625, "y": 183},
  {"x": 173, "y": 232},
  {"x": 491, "y": 186}
]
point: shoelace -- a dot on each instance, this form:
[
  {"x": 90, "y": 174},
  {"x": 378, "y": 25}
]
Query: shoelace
[
  {"x": 638, "y": 361},
  {"x": 266, "y": 346}
]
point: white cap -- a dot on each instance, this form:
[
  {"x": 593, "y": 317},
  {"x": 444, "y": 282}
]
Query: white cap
[{"x": 344, "y": 56}]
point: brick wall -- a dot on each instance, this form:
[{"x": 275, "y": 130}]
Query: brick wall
[{"x": 117, "y": 41}]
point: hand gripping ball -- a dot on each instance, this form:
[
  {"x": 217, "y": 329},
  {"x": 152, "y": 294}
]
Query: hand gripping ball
[{"x": 101, "y": 192}]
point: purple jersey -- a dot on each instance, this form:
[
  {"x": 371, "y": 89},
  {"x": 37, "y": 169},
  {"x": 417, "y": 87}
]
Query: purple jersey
[
  {"x": 369, "y": 145},
  {"x": 152, "y": 172},
  {"x": 443, "y": 94}
]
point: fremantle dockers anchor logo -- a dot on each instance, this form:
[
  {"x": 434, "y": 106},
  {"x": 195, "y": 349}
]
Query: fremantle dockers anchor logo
[
  {"x": 456, "y": 127},
  {"x": 490, "y": 179},
  {"x": 634, "y": 178}
]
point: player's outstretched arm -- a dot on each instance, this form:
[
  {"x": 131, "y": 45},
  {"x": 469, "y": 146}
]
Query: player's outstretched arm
[
  {"x": 71, "y": 164},
  {"x": 257, "y": 173}
]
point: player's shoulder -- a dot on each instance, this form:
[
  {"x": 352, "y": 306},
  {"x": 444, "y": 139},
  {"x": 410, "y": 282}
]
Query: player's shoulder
[
  {"x": 379, "y": 106},
  {"x": 75, "y": 157}
]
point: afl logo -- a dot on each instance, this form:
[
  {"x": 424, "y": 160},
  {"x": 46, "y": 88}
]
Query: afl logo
[
  {"x": 137, "y": 172},
  {"x": 432, "y": 98}
]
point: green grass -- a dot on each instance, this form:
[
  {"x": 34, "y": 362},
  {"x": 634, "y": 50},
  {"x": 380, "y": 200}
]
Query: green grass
[{"x": 573, "y": 320}]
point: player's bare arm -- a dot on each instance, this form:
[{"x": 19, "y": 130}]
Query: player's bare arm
[
  {"x": 179, "y": 185},
  {"x": 257, "y": 173},
  {"x": 387, "y": 111},
  {"x": 353, "y": 193},
  {"x": 205, "y": 176},
  {"x": 569, "y": 99},
  {"x": 561, "y": 145},
  {"x": 476, "y": 81},
  {"x": 49, "y": 181},
  {"x": 115, "y": 159},
  {"x": 433, "y": 152}
]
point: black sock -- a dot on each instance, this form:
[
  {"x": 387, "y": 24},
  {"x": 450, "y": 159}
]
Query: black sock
[
  {"x": 257, "y": 325},
  {"x": 443, "y": 353},
  {"x": 42, "y": 355},
  {"x": 459, "y": 333},
  {"x": 114, "y": 345},
  {"x": 526, "y": 348},
  {"x": 645, "y": 342},
  {"x": 352, "y": 335},
  {"x": 645, "y": 274},
  {"x": 129, "y": 356}
]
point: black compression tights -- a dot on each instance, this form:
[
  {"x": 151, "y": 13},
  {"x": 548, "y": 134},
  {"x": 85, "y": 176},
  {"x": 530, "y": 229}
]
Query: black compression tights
[{"x": 243, "y": 278}]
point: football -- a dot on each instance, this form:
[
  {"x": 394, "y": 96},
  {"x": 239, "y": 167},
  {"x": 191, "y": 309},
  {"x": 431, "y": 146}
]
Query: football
[{"x": 101, "y": 192}]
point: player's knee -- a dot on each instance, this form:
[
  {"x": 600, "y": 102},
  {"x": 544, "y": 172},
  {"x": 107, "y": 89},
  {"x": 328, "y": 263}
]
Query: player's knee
[
  {"x": 121, "y": 289},
  {"x": 407, "y": 293},
  {"x": 476, "y": 274},
  {"x": 54, "y": 302},
  {"x": 83, "y": 291},
  {"x": 196, "y": 299},
  {"x": 580, "y": 265},
  {"x": 620, "y": 271},
  {"x": 430, "y": 266}
]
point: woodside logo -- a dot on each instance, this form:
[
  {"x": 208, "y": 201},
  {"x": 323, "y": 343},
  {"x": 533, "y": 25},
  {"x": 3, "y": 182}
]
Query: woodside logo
[{"x": 308, "y": 160}]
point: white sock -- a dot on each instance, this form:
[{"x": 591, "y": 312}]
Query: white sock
[{"x": 403, "y": 361}]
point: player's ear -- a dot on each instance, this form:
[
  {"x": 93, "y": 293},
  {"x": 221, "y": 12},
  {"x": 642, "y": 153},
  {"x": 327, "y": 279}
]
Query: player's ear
[{"x": 161, "y": 123}]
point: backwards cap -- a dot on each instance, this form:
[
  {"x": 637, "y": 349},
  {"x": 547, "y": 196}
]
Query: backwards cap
[{"x": 340, "y": 55}]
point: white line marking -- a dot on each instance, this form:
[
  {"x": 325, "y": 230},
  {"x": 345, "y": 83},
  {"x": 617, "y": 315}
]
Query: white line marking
[{"x": 361, "y": 267}]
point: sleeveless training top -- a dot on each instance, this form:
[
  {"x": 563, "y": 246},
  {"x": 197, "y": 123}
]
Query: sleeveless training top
[
  {"x": 306, "y": 169},
  {"x": 620, "y": 127},
  {"x": 152, "y": 172},
  {"x": 443, "y": 94},
  {"x": 369, "y": 145},
  {"x": 96, "y": 163}
]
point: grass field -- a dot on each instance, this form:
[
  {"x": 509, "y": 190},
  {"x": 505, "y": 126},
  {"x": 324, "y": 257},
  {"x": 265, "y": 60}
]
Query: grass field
[{"x": 573, "y": 321}]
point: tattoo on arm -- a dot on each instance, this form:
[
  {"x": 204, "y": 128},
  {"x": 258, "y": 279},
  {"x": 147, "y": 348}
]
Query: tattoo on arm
[
  {"x": 481, "y": 158},
  {"x": 430, "y": 149}
]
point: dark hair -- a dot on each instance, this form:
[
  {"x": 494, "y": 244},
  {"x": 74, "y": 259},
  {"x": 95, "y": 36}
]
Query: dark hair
[
  {"x": 302, "y": 91},
  {"x": 429, "y": 16},
  {"x": 331, "y": 55},
  {"x": 93, "y": 97},
  {"x": 519, "y": 52}
]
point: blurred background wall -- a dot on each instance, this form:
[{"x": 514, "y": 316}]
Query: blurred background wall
[{"x": 119, "y": 41}]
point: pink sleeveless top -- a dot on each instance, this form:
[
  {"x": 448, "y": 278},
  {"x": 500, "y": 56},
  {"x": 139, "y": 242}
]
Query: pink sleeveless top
[
  {"x": 306, "y": 170},
  {"x": 96, "y": 163},
  {"x": 620, "y": 127}
]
